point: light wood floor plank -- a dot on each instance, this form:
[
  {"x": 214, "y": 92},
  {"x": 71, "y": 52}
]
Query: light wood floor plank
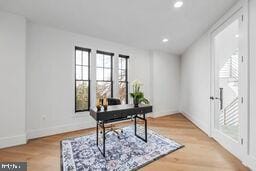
[{"x": 200, "y": 153}]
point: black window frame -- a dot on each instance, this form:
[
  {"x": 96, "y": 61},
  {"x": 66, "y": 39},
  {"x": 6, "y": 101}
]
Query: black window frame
[
  {"x": 126, "y": 75},
  {"x": 111, "y": 70},
  {"x": 89, "y": 76}
]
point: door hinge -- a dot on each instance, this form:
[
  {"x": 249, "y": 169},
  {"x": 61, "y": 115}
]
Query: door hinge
[
  {"x": 242, "y": 17},
  {"x": 242, "y": 141},
  {"x": 242, "y": 100},
  {"x": 242, "y": 58}
]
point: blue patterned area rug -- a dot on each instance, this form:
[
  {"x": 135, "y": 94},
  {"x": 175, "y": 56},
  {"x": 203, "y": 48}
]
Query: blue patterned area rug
[{"x": 126, "y": 153}]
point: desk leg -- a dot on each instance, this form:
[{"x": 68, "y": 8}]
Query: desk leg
[
  {"x": 145, "y": 127},
  {"x": 103, "y": 136},
  {"x": 97, "y": 133},
  {"x": 135, "y": 125}
]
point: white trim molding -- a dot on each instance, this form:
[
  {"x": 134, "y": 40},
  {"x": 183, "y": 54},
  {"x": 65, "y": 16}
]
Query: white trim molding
[
  {"x": 13, "y": 141},
  {"x": 250, "y": 161},
  {"x": 163, "y": 113},
  {"x": 197, "y": 122}
]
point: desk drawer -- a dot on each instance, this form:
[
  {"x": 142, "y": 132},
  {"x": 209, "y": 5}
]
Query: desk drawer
[
  {"x": 142, "y": 110},
  {"x": 109, "y": 115}
]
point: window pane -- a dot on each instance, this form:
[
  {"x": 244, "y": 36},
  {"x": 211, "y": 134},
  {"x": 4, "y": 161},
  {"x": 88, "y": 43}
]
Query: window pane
[
  {"x": 99, "y": 74},
  {"x": 85, "y": 73},
  {"x": 124, "y": 63},
  {"x": 122, "y": 76},
  {"x": 120, "y": 63},
  {"x": 82, "y": 98},
  {"x": 107, "y": 74},
  {"x": 82, "y": 95},
  {"x": 99, "y": 60},
  {"x": 78, "y": 57},
  {"x": 122, "y": 92},
  {"x": 85, "y": 58},
  {"x": 107, "y": 61},
  {"x": 78, "y": 72},
  {"x": 103, "y": 89}
]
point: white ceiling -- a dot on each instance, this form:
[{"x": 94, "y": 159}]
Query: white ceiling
[{"x": 138, "y": 23}]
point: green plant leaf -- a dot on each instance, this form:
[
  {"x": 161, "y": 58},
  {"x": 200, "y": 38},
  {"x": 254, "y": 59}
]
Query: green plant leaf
[{"x": 144, "y": 100}]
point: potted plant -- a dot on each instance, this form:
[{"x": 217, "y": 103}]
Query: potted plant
[{"x": 137, "y": 95}]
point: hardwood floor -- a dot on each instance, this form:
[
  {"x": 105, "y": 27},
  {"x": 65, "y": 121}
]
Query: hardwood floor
[{"x": 200, "y": 151}]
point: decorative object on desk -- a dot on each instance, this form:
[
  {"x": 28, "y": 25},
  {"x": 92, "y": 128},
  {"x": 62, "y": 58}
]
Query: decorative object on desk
[
  {"x": 105, "y": 103},
  {"x": 98, "y": 104},
  {"x": 126, "y": 153},
  {"x": 137, "y": 94}
]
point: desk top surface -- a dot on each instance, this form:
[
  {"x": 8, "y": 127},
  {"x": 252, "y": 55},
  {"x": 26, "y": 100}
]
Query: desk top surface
[
  {"x": 119, "y": 111},
  {"x": 120, "y": 107}
]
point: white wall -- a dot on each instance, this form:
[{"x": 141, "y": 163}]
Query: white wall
[
  {"x": 195, "y": 84},
  {"x": 50, "y": 78},
  {"x": 12, "y": 74},
  {"x": 166, "y": 83}
]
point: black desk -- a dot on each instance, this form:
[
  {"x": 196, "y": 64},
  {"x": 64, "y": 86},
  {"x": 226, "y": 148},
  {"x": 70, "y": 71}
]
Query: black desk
[{"x": 118, "y": 113}]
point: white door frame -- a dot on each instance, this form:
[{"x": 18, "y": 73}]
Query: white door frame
[{"x": 241, "y": 6}]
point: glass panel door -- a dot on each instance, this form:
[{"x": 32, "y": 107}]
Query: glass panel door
[{"x": 226, "y": 50}]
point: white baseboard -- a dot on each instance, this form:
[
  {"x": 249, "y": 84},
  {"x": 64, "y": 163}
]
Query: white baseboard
[
  {"x": 204, "y": 127},
  {"x": 165, "y": 113},
  {"x": 58, "y": 130},
  {"x": 13, "y": 141},
  {"x": 250, "y": 162}
]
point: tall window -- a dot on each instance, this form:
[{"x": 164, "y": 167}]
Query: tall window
[
  {"x": 82, "y": 81},
  {"x": 104, "y": 84},
  {"x": 123, "y": 80}
]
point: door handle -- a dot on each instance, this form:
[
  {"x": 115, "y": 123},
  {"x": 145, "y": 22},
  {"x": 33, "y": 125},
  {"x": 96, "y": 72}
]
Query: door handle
[
  {"x": 213, "y": 98},
  {"x": 221, "y": 98}
]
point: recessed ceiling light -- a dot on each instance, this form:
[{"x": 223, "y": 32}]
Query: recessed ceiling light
[
  {"x": 237, "y": 35},
  {"x": 165, "y": 40},
  {"x": 178, "y": 4}
]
